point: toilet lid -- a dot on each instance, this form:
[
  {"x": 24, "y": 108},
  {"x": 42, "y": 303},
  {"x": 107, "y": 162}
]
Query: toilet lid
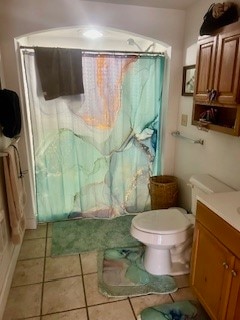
[{"x": 164, "y": 221}]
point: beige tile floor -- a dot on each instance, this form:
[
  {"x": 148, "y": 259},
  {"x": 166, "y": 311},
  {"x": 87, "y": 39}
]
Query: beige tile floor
[{"x": 65, "y": 288}]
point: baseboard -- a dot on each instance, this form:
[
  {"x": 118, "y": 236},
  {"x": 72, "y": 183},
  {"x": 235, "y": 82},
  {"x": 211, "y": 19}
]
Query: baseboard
[
  {"x": 8, "y": 280},
  {"x": 31, "y": 223}
]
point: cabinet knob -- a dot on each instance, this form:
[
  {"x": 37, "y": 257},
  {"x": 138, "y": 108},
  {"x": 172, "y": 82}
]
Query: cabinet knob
[
  {"x": 234, "y": 273},
  {"x": 225, "y": 265}
]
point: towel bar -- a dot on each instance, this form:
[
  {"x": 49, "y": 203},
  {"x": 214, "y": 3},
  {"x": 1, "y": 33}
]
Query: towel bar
[{"x": 177, "y": 134}]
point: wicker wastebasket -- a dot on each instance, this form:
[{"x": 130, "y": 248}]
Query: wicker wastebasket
[{"x": 163, "y": 192}]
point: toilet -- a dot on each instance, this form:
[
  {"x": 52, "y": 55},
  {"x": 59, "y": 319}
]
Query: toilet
[{"x": 167, "y": 233}]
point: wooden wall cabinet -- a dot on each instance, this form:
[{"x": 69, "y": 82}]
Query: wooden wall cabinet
[
  {"x": 205, "y": 67},
  {"x": 217, "y": 80},
  {"x": 215, "y": 265}
]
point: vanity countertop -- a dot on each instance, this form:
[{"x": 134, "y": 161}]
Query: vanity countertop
[{"x": 226, "y": 205}]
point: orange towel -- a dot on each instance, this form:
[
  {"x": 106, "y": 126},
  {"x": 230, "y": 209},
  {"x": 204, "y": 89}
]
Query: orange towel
[{"x": 16, "y": 196}]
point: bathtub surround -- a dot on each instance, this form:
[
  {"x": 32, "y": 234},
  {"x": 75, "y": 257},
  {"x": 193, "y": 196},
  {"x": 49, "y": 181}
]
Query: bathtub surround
[
  {"x": 83, "y": 235},
  {"x": 121, "y": 273}
]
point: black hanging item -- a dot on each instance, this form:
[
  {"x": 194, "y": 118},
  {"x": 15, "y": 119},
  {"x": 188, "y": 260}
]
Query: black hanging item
[
  {"x": 217, "y": 16},
  {"x": 10, "y": 114}
]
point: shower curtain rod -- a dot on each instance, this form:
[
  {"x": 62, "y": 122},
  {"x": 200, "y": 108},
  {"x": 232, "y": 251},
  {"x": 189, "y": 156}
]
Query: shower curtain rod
[{"x": 113, "y": 52}]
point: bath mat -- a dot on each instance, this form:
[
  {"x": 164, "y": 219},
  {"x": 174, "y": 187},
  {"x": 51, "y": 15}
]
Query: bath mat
[
  {"x": 82, "y": 235},
  {"x": 181, "y": 310},
  {"x": 121, "y": 273}
]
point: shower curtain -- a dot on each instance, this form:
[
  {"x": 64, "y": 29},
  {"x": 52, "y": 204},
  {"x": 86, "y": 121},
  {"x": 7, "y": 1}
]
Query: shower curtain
[{"x": 94, "y": 152}]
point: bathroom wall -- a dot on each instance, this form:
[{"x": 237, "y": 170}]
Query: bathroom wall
[{"x": 220, "y": 154}]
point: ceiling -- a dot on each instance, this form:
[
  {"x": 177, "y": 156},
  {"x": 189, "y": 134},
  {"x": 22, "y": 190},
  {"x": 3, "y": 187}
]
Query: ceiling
[
  {"x": 113, "y": 39},
  {"x": 170, "y": 4}
]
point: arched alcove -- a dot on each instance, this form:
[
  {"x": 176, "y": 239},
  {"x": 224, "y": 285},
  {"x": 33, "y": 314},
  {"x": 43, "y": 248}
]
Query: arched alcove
[{"x": 112, "y": 39}]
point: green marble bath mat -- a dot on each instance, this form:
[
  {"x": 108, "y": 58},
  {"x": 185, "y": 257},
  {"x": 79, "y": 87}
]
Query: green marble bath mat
[
  {"x": 82, "y": 235},
  {"x": 121, "y": 273},
  {"x": 182, "y": 310}
]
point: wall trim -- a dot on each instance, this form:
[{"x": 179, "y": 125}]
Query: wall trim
[{"x": 31, "y": 223}]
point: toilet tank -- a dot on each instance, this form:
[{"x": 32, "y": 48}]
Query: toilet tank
[{"x": 205, "y": 184}]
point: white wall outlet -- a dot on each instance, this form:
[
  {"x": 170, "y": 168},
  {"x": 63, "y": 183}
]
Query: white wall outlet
[{"x": 184, "y": 120}]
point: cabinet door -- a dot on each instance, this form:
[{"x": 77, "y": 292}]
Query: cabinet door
[
  {"x": 205, "y": 67},
  {"x": 210, "y": 276},
  {"x": 228, "y": 68},
  {"x": 233, "y": 311}
]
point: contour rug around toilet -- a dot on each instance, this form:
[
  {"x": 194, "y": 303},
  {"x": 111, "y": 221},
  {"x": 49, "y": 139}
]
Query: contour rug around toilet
[{"x": 167, "y": 233}]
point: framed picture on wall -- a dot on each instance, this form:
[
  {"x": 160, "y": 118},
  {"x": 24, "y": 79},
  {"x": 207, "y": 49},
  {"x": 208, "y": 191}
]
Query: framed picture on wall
[{"x": 188, "y": 80}]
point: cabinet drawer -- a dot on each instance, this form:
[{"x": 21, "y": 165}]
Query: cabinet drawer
[{"x": 225, "y": 233}]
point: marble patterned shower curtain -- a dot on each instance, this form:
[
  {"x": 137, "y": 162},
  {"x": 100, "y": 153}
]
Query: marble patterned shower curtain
[{"x": 94, "y": 152}]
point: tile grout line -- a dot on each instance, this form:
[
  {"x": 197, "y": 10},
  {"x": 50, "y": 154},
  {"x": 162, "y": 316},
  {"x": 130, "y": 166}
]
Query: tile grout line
[
  {"x": 135, "y": 316},
  {"x": 84, "y": 291},
  {"x": 171, "y": 298},
  {"x": 44, "y": 265},
  {"x": 57, "y": 312}
]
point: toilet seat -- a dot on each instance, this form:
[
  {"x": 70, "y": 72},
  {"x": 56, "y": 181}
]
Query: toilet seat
[{"x": 162, "y": 221}]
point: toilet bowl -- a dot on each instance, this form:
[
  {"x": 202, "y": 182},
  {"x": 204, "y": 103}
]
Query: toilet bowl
[{"x": 167, "y": 233}]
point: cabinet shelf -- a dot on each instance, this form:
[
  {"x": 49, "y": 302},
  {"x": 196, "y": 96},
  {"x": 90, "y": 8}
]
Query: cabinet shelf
[{"x": 226, "y": 118}]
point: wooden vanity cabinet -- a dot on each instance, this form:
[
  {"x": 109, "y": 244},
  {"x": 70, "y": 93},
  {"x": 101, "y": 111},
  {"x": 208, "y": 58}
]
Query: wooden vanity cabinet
[
  {"x": 218, "y": 70},
  {"x": 215, "y": 265}
]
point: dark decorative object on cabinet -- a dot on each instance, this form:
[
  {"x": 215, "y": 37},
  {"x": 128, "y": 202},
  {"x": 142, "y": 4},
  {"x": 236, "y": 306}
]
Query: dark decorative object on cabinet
[{"x": 219, "y": 15}]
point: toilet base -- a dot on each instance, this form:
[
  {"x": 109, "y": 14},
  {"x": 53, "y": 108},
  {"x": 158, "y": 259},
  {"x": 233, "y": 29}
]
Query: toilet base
[{"x": 158, "y": 262}]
